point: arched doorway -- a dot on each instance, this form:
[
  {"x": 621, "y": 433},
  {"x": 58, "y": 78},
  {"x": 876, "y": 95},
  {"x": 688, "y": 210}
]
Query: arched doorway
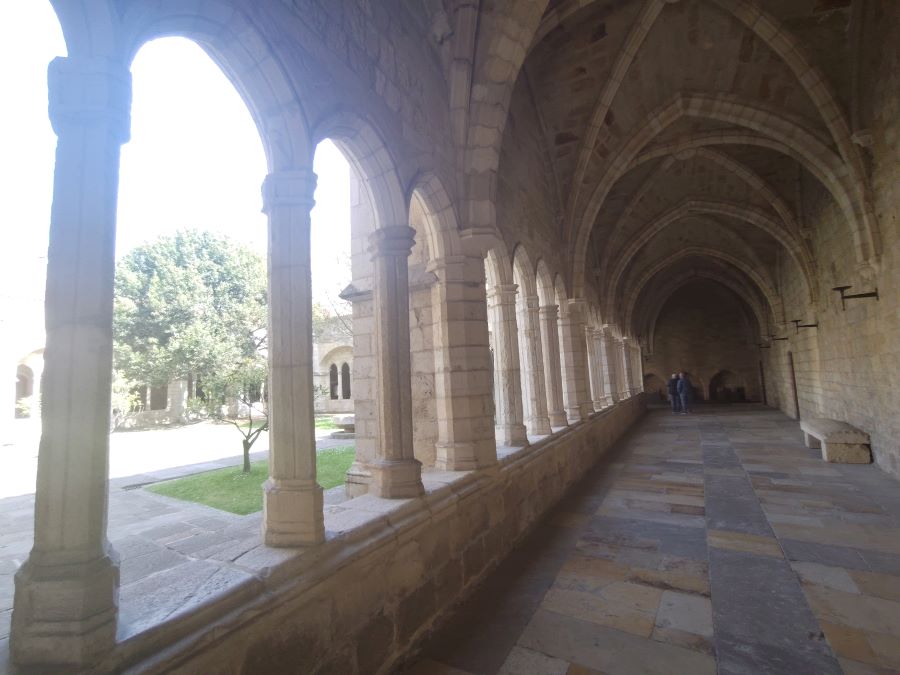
[{"x": 727, "y": 387}]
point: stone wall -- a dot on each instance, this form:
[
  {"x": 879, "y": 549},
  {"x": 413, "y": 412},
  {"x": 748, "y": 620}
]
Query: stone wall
[
  {"x": 849, "y": 367},
  {"x": 390, "y": 569},
  {"x": 703, "y": 331}
]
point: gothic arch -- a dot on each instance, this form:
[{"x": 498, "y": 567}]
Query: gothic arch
[
  {"x": 743, "y": 212},
  {"x": 365, "y": 150},
  {"x": 728, "y": 109},
  {"x": 234, "y": 44},
  {"x": 442, "y": 224}
]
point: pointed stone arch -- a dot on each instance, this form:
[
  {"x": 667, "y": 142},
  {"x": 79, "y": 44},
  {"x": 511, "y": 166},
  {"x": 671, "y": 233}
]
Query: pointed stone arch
[
  {"x": 765, "y": 286},
  {"x": 234, "y": 43},
  {"x": 442, "y": 223},
  {"x": 743, "y": 212},
  {"x": 365, "y": 150},
  {"x": 729, "y": 109}
]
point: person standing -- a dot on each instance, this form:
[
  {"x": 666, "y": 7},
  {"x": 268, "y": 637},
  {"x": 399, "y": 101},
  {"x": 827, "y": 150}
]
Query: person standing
[
  {"x": 672, "y": 386},
  {"x": 685, "y": 392}
]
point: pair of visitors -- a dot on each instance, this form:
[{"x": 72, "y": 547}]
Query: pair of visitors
[
  {"x": 672, "y": 386},
  {"x": 685, "y": 392}
]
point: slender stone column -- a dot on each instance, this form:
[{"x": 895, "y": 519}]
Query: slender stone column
[
  {"x": 396, "y": 473},
  {"x": 292, "y": 504},
  {"x": 621, "y": 356},
  {"x": 552, "y": 369},
  {"x": 462, "y": 365},
  {"x": 638, "y": 355},
  {"x": 533, "y": 365},
  {"x": 602, "y": 368},
  {"x": 609, "y": 358},
  {"x": 596, "y": 368},
  {"x": 576, "y": 389},
  {"x": 508, "y": 427},
  {"x": 66, "y": 593}
]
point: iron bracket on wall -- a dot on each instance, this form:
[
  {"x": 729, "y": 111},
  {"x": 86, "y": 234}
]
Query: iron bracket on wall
[{"x": 844, "y": 297}]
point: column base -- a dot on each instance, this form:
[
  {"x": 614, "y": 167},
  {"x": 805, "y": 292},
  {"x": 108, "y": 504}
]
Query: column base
[
  {"x": 608, "y": 401},
  {"x": 292, "y": 513},
  {"x": 574, "y": 415},
  {"x": 587, "y": 409},
  {"x": 64, "y": 615},
  {"x": 599, "y": 405},
  {"x": 464, "y": 456},
  {"x": 396, "y": 479},
  {"x": 558, "y": 419},
  {"x": 540, "y": 426},
  {"x": 357, "y": 480},
  {"x": 511, "y": 435}
]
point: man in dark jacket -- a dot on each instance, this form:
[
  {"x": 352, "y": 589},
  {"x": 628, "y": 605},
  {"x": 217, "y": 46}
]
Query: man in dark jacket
[
  {"x": 685, "y": 392},
  {"x": 672, "y": 386}
]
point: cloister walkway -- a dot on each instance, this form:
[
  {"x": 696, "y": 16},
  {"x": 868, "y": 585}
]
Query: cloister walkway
[{"x": 704, "y": 543}]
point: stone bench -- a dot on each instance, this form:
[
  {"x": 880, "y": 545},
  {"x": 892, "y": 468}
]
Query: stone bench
[{"x": 840, "y": 442}]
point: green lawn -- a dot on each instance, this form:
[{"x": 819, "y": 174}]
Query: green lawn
[
  {"x": 237, "y": 492},
  {"x": 325, "y": 423}
]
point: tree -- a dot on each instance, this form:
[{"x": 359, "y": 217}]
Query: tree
[{"x": 194, "y": 304}]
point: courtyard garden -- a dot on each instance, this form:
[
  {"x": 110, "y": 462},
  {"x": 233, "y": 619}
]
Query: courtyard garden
[{"x": 240, "y": 492}]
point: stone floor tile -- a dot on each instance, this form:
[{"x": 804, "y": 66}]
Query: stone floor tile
[
  {"x": 610, "y": 651},
  {"x": 748, "y": 543},
  {"x": 429, "y": 667},
  {"x": 851, "y": 667},
  {"x": 873, "y": 583},
  {"x": 626, "y": 606},
  {"x": 875, "y": 615},
  {"x": 578, "y": 669},
  {"x": 833, "y": 577},
  {"x": 685, "y": 612},
  {"x": 523, "y": 661},
  {"x": 763, "y": 494}
]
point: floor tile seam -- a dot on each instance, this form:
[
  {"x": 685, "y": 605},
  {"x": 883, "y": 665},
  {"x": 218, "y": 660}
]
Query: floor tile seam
[{"x": 787, "y": 562}]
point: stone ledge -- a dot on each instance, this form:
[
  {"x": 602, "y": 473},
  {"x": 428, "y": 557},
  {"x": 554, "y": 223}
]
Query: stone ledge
[{"x": 403, "y": 562}]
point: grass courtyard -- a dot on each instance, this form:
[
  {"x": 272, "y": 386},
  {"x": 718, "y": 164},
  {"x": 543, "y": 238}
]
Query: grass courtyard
[{"x": 237, "y": 492}]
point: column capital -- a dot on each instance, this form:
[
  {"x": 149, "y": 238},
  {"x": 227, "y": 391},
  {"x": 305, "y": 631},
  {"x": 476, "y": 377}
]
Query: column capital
[
  {"x": 394, "y": 240},
  {"x": 87, "y": 92},
  {"x": 503, "y": 293},
  {"x": 549, "y": 311},
  {"x": 289, "y": 188},
  {"x": 532, "y": 302}
]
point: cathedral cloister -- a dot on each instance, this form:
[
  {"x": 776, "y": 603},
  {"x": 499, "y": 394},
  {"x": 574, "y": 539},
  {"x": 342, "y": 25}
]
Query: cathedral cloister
[{"x": 556, "y": 205}]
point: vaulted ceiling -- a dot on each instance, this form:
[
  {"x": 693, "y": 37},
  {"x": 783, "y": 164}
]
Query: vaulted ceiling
[{"x": 687, "y": 137}]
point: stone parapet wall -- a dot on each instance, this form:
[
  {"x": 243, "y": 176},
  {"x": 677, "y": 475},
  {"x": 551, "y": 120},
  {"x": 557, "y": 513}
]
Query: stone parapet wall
[{"x": 387, "y": 574}]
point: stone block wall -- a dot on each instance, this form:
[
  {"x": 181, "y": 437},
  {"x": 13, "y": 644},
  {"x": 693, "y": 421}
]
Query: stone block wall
[
  {"x": 391, "y": 568},
  {"x": 701, "y": 331},
  {"x": 849, "y": 367}
]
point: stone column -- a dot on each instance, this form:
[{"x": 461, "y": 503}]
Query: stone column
[
  {"x": 66, "y": 593},
  {"x": 602, "y": 368},
  {"x": 462, "y": 365},
  {"x": 396, "y": 473},
  {"x": 609, "y": 359},
  {"x": 576, "y": 390},
  {"x": 508, "y": 427},
  {"x": 624, "y": 385},
  {"x": 552, "y": 370},
  {"x": 292, "y": 504},
  {"x": 535, "y": 389},
  {"x": 596, "y": 368}
]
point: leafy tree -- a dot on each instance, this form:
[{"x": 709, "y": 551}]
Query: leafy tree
[{"x": 195, "y": 304}]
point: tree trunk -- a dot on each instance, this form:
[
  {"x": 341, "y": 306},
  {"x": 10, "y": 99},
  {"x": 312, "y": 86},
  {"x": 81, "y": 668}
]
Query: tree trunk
[{"x": 247, "y": 445}]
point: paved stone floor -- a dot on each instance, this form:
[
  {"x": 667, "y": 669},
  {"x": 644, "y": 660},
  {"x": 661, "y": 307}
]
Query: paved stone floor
[
  {"x": 174, "y": 554},
  {"x": 707, "y": 543}
]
